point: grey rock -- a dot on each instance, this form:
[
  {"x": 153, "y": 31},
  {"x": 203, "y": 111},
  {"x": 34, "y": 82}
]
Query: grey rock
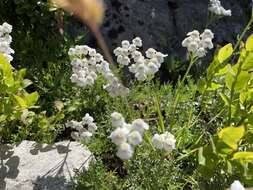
[
  {"x": 163, "y": 24},
  {"x": 33, "y": 166}
]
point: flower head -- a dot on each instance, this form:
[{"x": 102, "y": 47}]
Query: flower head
[
  {"x": 165, "y": 141},
  {"x": 141, "y": 67},
  {"x": 125, "y": 151},
  {"x": 5, "y": 41},
  {"x": 134, "y": 138},
  {"x": 117, "y": 119},
  {"x": 236, "y": 185},
  {"x": 139, "y": 125},
  {"x": 216, "y": 8},
  {"x": 197, "y": 43},
  {"x": 119, "y": 135}
]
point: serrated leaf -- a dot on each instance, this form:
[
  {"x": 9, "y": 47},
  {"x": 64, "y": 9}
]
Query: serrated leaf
[{"x": 225, "y": 52}]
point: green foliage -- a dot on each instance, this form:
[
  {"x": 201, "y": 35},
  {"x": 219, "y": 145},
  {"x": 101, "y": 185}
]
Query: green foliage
[
  {"x": 228, "y": 151},
  {"x": 15, "y": 101},
  {"x": 211, "y": 118},
  {"x": 19, "y": 117}
]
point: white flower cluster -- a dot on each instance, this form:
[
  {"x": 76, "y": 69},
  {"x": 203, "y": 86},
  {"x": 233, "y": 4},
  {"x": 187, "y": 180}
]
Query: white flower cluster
[
  {"x": 216, "y": 8},
  {"x": 84, "y": 129},
  {"x": 87, "y": 64},
  {"x": 197, "y": 43},
  {"x": 236, "y": 185},
  {"x": 165, "y": 141},
  {"x": 142, "y": 67},
  {"x": 126, "y": 136},
  {"x": 5, "y": 41}
]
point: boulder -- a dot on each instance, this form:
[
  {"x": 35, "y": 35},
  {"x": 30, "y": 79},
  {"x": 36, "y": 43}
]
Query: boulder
[
  {"x": 33, "y": 166},
  {"x": 163, "y": 24}
]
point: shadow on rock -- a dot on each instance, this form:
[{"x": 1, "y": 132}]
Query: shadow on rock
[
  {"x": 8, "y": 164},
  {"x": 61, "y": 149}
]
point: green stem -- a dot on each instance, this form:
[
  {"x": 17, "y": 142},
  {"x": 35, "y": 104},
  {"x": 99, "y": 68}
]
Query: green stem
[
  {"x": 243, "y": 33},
  {"x": 178, "y": 90},
  {"x": 160, "y": 116},
  {"x": 232, "y": 92},
  {"x": 149, "y": 141}
]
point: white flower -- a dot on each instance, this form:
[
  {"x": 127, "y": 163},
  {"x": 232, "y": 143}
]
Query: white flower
[
  {"x": 125, "y": 151},
  {"x": 5, "y": 41},
  {"x": 198, "y": 44},
  {"x": 137, "y": 42},
  {"x": 216, "y": 8},
  {"x": 165, "y": 141},
  {"x": 74, "y": 124},
  {"x": 125, "y": 44},
  {"x": 160, "y": 57},
  {"x": 152, "y": 67},
  {"x": 87, "y": 119},
  {"x": 194, "y": 34},
  {"x": 134, "y": 138},
  {"x": 201, "y": 52},
  {"x": 119, "y": 135},
  {"x": 193, "y": 46},
  {"x": 75, "y": 135},
  {"x": 117, "y": 51},
  {"x": 157, "y": 141},
  {"x": 140, "y": 126},
  {"x": 85, "y": 135},
  {"x": 117, "y": 119},
  {"x": 123, "y": 60},
  {"x": 132, "y": 48},
  {"x": 6, "y": 28},
  {"x": 87, "y": 64},
  {"x": 82, "y": 133},
  {"x": 236, "y": 185},
  {"x": 92, "y": 127},
  {"x": 142, "y": 67},
  {"x": 207, "y": 34},
  {"x": 150, "y": 53},
  {"x": 127, "y": 135}
]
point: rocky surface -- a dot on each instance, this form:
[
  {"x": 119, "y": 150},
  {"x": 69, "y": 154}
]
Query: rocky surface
[
  {"x": 33, "y": 166},
  {"x": 163, "y": 24}
]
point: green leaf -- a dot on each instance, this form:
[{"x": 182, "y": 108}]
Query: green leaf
[
  {"x": 231, "y": 135},
  {"x": 224, "y": 98},
  {"x": 21, "y": 102},
  {"x": 222, "y": 71},
  {"x": 248, "y": 62},
  {"x": 32, "y": 98},
  {"x": 240, "y": 83},
  {"x": 243, "y": 156},
  {"x": 249, "y": 43},
  {"x": 214, "y": 86},
  {"x": 26, "y": 83},
  {"x": 230, "y": 77},
  {"x": 225, "y": 52},
  {"x": 201, "y": 158},
  {"x": 6, "y": 68}
]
